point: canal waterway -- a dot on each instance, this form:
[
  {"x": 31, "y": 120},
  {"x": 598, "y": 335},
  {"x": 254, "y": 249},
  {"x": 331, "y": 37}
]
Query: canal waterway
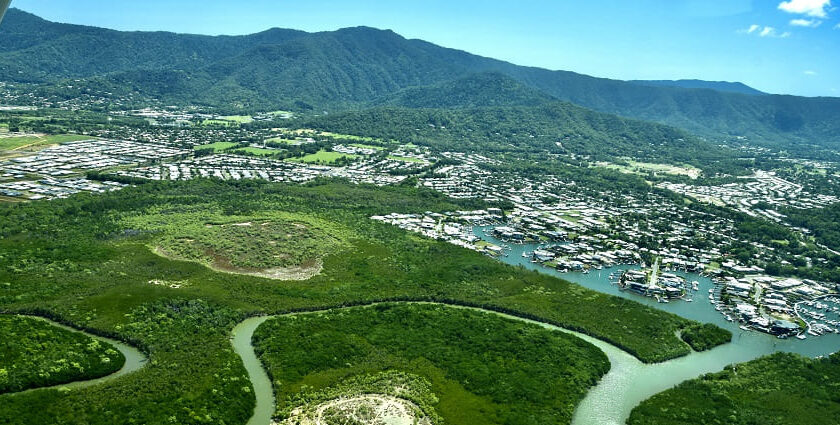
[{"x": 630, "y": 382}]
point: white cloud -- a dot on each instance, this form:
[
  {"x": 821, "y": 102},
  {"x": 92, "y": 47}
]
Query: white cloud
[
  {"x": 764, "y": 31},
  {"x": 810, "y": 23},
  {"x": 837, "y": 27},
  {"x": 809, "y": 72},
  {"x": 815, "y": 8}
]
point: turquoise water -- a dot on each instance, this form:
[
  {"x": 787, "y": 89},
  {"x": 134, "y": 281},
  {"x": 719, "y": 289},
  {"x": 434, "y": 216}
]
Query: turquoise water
[
  {"x": 629, "y": 381},
  {"x": 700, "y": 309}
]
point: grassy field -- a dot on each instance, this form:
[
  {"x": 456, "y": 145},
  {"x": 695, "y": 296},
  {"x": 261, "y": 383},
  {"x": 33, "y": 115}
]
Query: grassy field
[
  {"x": 781, "y": 389},
  {"x": 643, "y": 168},
  {"x": 250, "y": 150},
  {"x": 15, "y": 142},
  {"x": 34, "y": 353},
  {"x": 89, "y": 260},
  {"x": 482, "y": 368},
  {"x": 262, "y": 245},
  {"x": 11, "y": 144},
  {"x": 216, "y": 147},
  {"x": 283, "y": 141},
  {"x": 239, "y": 119},
  {"x": 229, "y": 120},
  {"x": 323, "y": 157}
]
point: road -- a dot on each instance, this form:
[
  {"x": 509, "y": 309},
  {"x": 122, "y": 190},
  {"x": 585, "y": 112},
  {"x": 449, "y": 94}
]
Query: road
[{"x": 654, "y": 274}]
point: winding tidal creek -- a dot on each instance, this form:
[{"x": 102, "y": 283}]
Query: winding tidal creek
[
  {"x": 134, "y": 359},
  {"x": 629, "y": 381}
]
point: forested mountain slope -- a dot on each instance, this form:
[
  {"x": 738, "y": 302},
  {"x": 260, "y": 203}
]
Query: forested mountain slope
[{"x": 359, "y": 67}]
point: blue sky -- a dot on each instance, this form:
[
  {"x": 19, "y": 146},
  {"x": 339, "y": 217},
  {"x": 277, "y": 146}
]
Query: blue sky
[{"x": 790, "y": 47}]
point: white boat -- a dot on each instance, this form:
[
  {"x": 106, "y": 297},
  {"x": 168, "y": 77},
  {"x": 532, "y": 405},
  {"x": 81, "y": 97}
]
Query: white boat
[
  {"x": 801, "y": 336},
  {"x": 744, "y": 328}
]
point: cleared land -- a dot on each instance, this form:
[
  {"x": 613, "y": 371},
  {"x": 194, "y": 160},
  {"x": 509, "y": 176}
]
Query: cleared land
[
  {"x": 368, "y": 409},
  {"x": 12, "y": 144},
  {"x": 275, "y": 245},
  {"x": 482, "y": 368},
  {"x": 216, "y": 147},
  {"x": 87, "y": 259},
  {"x": 257, "y": 151},
  {"x": 642, "y": 168},
  {"x": 240, "y": 119},
  {"x": 323, "y": 157},
  {"x": 34, "y": 354}
]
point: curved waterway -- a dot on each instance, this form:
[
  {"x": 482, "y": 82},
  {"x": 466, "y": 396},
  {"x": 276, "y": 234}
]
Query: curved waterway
[
  {"x": 241, "y": 340},
  {"x": 623, "y": 365},
  {"x": 134, "y": 359},
  {"x": 629, "y": 381}
]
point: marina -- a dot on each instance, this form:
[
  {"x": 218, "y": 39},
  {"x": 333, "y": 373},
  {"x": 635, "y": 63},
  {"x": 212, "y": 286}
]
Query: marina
[{"x": 746, "y": 344}]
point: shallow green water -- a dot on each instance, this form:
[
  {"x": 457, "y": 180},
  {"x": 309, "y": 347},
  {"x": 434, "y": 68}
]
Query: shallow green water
[
  {"x": 134, "y": 359},
  {"x": 629, "y": 381},
  {"x": 241, "y": 340}
]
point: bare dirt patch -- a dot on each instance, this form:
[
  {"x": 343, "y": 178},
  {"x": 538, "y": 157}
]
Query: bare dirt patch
[
  {"x": 305, "y": 271},
  {"x": 367, "y": 409}
]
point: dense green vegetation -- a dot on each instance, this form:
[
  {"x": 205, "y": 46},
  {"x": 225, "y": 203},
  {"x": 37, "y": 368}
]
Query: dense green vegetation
[
  {"x": 87, "y": 260},
  {"x": 193, "y": 377},
  {"x": 823, "y": 223},
  {"x": 704, "y": 336},
  {"x": 356, "y": 67},
  {"x": 34, "y": 354},
  {"x": 556, "y": 127},
  {"x": 483, "y": 368},
  {"x": 781, "y": 389},
  {"x": 479, "y": 90},
  {"x": 98, "y": 243},
  {"x": 239, "y": 243},
  {"x": 722, "y": 86}
]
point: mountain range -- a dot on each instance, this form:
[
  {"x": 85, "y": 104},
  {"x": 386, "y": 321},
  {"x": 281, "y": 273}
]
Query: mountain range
[
  {"x": 358, "y": 68},
  {"x": 723, "y": 86}
]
